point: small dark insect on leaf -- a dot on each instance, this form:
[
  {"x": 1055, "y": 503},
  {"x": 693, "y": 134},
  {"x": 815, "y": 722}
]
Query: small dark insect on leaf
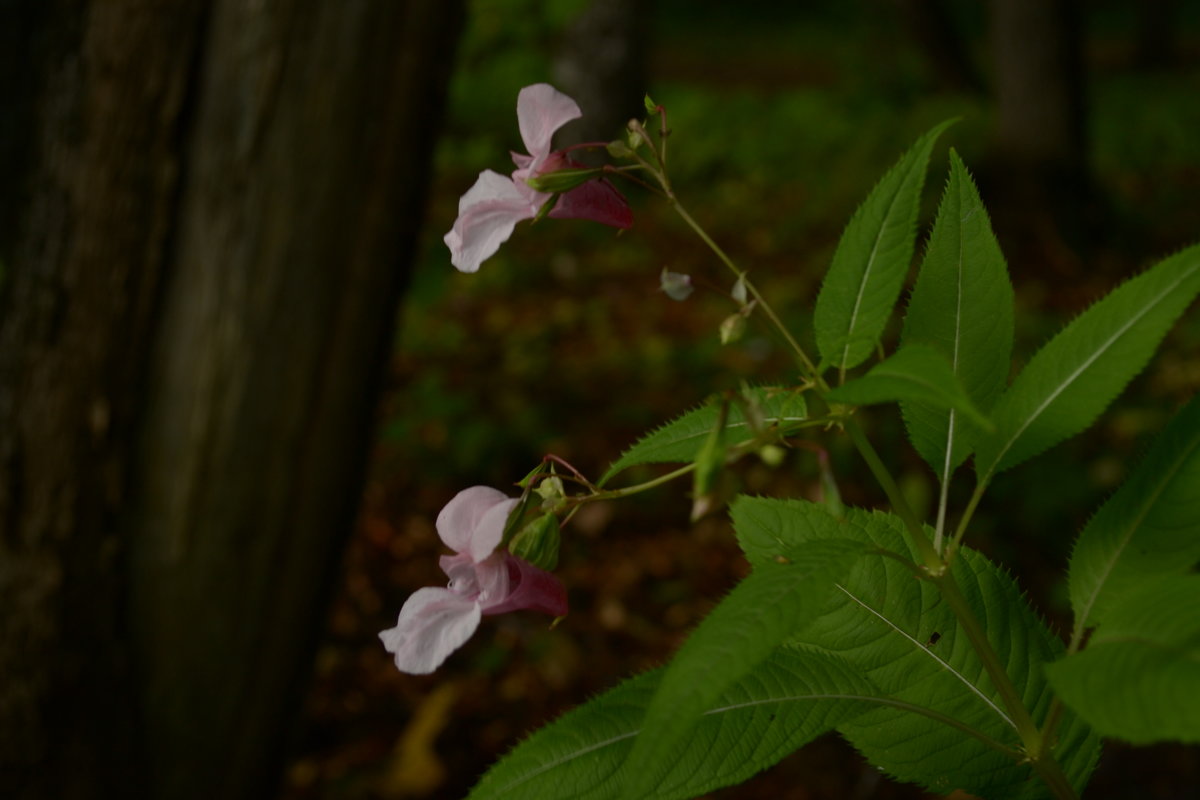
[{"x": 933, "y": 639}]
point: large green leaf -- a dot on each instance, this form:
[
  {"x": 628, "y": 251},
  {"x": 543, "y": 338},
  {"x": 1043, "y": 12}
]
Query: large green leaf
[
  {"x": 1148, "y": 529},
  {"x": 762, "y": 611},
  {"x": 871, "y": 260},
  {"x": 785, "y": 701},
  {"x": 961, "y": 305},
  {"x": 680, "y": 439},
  {"x": 916, "y": 372},
  {"x": 1066, "y": 385},
  {"x": 899, "y": 631},
  {"x": 1139, "y": 678}
]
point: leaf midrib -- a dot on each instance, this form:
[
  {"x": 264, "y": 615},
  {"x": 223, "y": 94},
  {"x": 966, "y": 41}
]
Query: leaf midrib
[
  {"x": 862, "y": 284},
  {"x": 1083, "y": 367},
  {"x": 962, "y": 678},
  {"x": 884, "y": 701},
  {"x": 1135, "y": 524}
]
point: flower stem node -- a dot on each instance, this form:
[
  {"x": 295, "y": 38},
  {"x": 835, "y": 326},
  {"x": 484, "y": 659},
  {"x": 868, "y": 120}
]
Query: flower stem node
[{"x": 538, "y": 542}]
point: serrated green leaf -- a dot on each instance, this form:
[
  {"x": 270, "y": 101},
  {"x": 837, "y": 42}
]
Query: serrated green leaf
[
  {"x": 680, "y": 439},
  {"x": 1149, "y": 529},
  {"x": 899, "y": 631},
  {"x": 761, "y": 611},
  {"x": 916, "y": 372},
  {"x": 784, "y": 702},
  {"x": 871, "y": 260},
  {"x": 1139, "y": 678},
  {"x": 961, "y": 305},
  {"x": 1077, "y": 374}
]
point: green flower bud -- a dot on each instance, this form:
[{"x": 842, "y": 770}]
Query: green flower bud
[
  {"x": 733, "y": 328},
  {"x": 538, "y": 542},
  {"x": 619, "y": 149}
]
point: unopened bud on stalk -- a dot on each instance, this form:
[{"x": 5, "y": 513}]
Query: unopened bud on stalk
[
  {"x": 676, "y": 285},
  {"x": 710, "y": 461},
  {"x": 538, "y": 543},
  {"x": 733, "y": 328}
]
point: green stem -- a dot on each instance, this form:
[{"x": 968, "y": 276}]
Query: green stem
[
  {"x": 809, "y": 368},
  {"x": 991, "y": 662},
  {"x": 899, "y": 504},
  {"x": 961, "y": 530}
]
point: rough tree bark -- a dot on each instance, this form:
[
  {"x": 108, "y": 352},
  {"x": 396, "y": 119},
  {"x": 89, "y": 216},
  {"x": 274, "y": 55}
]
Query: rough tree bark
[{"x": 215, "y": 207}]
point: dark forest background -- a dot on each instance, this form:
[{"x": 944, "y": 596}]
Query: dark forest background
[{"x": 239, "y": 377}]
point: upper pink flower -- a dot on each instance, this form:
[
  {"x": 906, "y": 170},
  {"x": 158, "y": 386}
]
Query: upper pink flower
[
  {"x": 491, "y": 208},
  {"x": 435, "y": 622}
]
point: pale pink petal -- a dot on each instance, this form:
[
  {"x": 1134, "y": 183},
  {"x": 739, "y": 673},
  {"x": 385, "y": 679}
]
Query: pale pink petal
[
  {"x": 530, "y": 588},
  {"x": 541, "y": 110},
  {"x": 596, "y": 200},
  {"x": 487, "y": 580},
  {"x": 460, "y": 568},
  {"x": 457, "y": 521},
  {"x": 433, "y": 624},
  {"x": 487, "y": 214},
  {"x": 490, "y": 529},
  {"x": 494, "y": 579},
  {"x": 521, "y": 160}
]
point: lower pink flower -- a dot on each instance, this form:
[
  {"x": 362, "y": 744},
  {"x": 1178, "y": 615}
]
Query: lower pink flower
[{"x": 435, "y": 622}]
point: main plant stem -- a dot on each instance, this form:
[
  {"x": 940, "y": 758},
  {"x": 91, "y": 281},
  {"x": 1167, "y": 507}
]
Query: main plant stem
[{"x": 937, "y": 566}]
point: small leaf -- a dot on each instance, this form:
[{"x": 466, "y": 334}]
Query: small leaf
[
  {"x": 1066, "y": 385},
  {"x": 1139, "y": 678},
  {"x": 962, "y": 306},
  {"x": 680, "y": 439},
  {"x": 1147, "y": 529},
  {"x": 786, "y": 701},
  {"x": 871, "y": 260},
  {"x": 916, "y": 372},
  {"x": 765, "y": 608},
  {"x": 900, "y": 632}
]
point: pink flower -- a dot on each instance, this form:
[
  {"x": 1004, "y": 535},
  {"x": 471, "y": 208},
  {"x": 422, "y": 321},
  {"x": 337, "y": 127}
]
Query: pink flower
[
  {"x": 491, "y": 208},
  {"x": 435, "y": 622}
]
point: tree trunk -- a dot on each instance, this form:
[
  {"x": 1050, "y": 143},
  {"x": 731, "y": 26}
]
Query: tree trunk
[
  {"x": 601, "y": 63},
  {"x": 1043, "y": 190},
  {"x": 217, "y": 206}
]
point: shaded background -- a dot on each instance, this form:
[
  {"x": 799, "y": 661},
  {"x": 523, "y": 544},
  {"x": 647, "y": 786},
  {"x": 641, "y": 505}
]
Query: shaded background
[
  {"x": 782, "y": 120},
  {"x": 212, "y": 211}
]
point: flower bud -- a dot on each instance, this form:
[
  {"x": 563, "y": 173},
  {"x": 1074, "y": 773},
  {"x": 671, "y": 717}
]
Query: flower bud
[
  {"x": 619, "y": 149},
  {"x": 710, "y": 461},
  {"x": 651, "y": 106},
  {"x": 538, "y": 542},
  {"x": 552, "y": 493},
  {"x": 739, "y": 291},
  {"x": 772, "y": 454},
  {"x": 733, "y": 328},
  {"x": 676, "y": 285}
]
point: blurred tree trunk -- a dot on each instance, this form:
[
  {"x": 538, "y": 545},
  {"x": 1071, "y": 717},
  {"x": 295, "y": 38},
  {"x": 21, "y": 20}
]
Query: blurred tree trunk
[
  {"x": 208, "y": 213},
  {"x": 1041, "y": 145},
  {"x": 944, "y": 47},
  {"x": 601, "y": 63}
]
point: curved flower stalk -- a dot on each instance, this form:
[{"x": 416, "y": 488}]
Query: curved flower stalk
[
  {"x": 491, "y": 208},
  {"x": 435, "y": 622}
]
